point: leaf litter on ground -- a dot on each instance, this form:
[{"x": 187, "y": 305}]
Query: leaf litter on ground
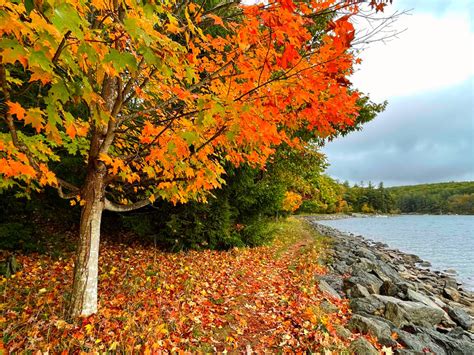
[{"x": 245, "y": 299}]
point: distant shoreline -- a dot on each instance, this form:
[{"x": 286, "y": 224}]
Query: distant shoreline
[{"x": 336, "y": 216}]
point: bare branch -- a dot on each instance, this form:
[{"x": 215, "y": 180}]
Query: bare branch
[
  {"x": 114, "y": 207},
  {"x": 61, "y": 47}
]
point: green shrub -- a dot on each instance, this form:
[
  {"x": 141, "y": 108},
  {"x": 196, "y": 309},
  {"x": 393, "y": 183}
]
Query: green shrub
[{"x": 17, "y": 236}]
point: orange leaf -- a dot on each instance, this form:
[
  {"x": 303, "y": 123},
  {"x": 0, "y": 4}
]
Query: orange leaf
[
  {"x": 71, "y": 130},
  {"x": 35, "y": 118},
  {"x": 41, "y": 75},
  {"x": 217, "y": 19},
  {"x": 15, "y": 109}
]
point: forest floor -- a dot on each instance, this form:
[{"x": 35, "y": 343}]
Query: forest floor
[{"x": 245, "y": 299}]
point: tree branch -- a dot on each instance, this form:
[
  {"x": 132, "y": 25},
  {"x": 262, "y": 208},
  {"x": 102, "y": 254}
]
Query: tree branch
[
  {"x": 61, "y": 47},
  {"x": 114, "y": 207}
]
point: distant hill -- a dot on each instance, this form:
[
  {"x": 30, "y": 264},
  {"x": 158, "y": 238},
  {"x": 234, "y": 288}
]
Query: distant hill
[{"x": 440, "y": 198}]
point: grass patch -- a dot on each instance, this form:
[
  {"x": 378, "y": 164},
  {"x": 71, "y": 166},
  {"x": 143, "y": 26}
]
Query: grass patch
[{"x": 292, "y": 230}]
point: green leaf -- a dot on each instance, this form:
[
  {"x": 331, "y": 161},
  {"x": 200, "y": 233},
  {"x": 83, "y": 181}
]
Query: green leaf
[
  {"x": 190, "y": 137},
  {"x": 65, "y": 18},
  {"x": 121, "y": 60},
  {"x": 137, "y": 33},
  {"x": 190, "y": 75},
  {"x": 12, "y": 50},
  {"x": 59, "y": 92},
  {"x": 29, "y": 6},
  {"x": 150, "y": 56},
  {"x": 87, "y": 49},
  {"x": 218, "y": 108},
  {"x": 39, "y": 59},
  {"x": 171, "y": 147}
]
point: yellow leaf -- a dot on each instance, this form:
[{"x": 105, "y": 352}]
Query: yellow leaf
[
  {"x": 89, "y": 328},
  {"x": 113, "y": 346}
]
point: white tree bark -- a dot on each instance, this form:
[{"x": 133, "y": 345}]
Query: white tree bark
[{"x": 84, "y": 294}]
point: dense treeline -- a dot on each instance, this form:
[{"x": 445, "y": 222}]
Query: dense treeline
[
  {"x": 441, "y": 198},
  {"x": 235, "y": 215}
]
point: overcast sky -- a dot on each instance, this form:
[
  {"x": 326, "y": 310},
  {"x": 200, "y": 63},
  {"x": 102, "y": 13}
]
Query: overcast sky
[{"x": 426, "y": 133}]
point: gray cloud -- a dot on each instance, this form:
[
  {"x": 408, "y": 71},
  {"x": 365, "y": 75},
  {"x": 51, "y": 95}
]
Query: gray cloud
[{"x": 422, "y": 138}]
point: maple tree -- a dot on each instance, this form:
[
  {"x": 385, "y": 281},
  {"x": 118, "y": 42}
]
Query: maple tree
[{"x": 155, "y": 97}]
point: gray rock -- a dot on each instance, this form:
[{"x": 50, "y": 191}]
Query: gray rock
[
  {"x": 343, "y": 332},
  {"x": 389, "y": 288},
  {"x": 418, "y": 297},
  {"x": 419, "y": 343},
  {"x": 438, "y": 302},
  {"x": 451, "y": 293},
  {"x": 328, "y": 307},
  {"x": 358, "y": 291},
  {"x": 459, "y": 333},
  {"x": 362, "y": 347},
  {"x": 371, "y": 282},
  {"x": 365, "y": 253},
  {"x": 411, "y": 258},
  {"x": 407, "y": 312},
  {"x": 372, "y": 326},
  {"x": 334, "y": 281},
  {"x": 462, "y": 318},
  {"x": 451, "y": 271},
  {"x": 340, "y": 267},
  {"x": 324, "y": 287},
  {"x": 450, "y": 344},
  {"x": 450, "y": 282},
  {"x": 386, "y": 273},
  {"x": 401, "y": 268},
  {"x": 369, "y": 305}
]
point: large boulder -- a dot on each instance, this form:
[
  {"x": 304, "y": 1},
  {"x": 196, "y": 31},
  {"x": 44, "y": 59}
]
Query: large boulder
[
  {"x": 418, "y": 297},
  {"x": 419, "y": 344},
  {"x": 334, "y": 281},
  {"x": 371, "y": 282},
  {"x": 357, "y": 291},
  {"x": 389, "y": 288},
  {"x": 324, "y": 287},
  {"x": 461, "y": 317},
  {"x": 386, "y": 273},
  {"x": 451, "y": 293},
  {"x": 361, "y": 346},
  {"x": 449, "y": 343},
  {"x": 369, "y": 305},
  {"x": 365, "y": 253},
  {"x": 373, "y": 326},
  {"x": 408, "y": 312}
]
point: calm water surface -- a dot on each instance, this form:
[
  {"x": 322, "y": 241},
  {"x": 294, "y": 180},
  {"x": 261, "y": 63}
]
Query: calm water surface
[{"x": 446, "y": 241}]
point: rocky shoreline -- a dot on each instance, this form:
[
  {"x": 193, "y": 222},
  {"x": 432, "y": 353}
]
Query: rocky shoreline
[{"x": 407, "y": 307}]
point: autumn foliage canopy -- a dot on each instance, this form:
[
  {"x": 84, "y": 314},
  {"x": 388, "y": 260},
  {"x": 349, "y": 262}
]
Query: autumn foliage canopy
[{"x": 149, "y": 91}]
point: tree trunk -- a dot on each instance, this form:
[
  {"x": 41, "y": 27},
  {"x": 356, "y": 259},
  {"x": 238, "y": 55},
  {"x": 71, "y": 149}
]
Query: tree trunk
[{"x": 84, "y": 290}]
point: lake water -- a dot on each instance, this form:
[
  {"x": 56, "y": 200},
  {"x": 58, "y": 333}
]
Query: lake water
[{"x": 445, "y": 241}]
